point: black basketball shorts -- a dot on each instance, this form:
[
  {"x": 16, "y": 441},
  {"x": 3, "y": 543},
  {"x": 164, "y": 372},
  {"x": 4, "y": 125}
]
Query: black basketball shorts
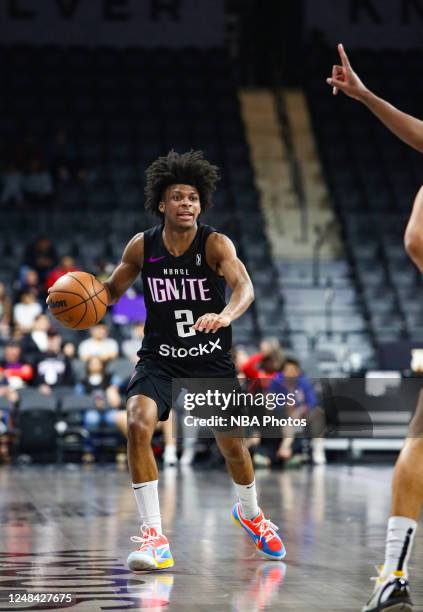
[{"x": 150, "y": 379}]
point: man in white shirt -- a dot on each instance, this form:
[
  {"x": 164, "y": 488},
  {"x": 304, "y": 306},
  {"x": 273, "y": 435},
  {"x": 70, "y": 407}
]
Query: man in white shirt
[
  {"x": 26, "y": 311},
  {"x": 99, "y": 345}
]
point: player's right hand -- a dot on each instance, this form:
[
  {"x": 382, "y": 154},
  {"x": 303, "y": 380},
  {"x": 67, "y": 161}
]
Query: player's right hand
[{"x": 345, "y": 79}]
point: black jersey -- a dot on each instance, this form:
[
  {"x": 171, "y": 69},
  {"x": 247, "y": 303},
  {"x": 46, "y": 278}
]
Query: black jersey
[{"x": 177, "y": 291}]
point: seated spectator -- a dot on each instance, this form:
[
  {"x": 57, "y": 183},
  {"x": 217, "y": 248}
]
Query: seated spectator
[
  {"x": 38, "y": 183},
  {"x": 131, "y": 346},
  {"x": 293, "y": 381},
  {"x": 29, "y": 282},
  {"x": 262, "y": 367},
  {"x": 53, "y": 366},
  {"x": 39, "y": 334},
  {"x": 99, "y": 345},
  {"x": 67, "y": 264},
  {"x": 5, "y": 312},
  {"x": 26, "y": 311},
  {"x": 104, "y": 388},
  {"x": 12, "y": 191},
  {"x": 41, "y": 256},
  {"x": 14, "y": 368}
]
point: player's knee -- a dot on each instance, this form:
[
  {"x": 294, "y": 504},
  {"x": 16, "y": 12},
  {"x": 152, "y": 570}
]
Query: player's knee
[{"x": 139, "y": 427}]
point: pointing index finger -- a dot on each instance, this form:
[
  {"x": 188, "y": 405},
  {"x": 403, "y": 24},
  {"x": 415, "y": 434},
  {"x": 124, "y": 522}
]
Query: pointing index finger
[{"x": 344, "y": 57}]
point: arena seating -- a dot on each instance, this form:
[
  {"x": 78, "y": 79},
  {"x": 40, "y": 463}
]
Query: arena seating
[{"x": 373, "y": 179}]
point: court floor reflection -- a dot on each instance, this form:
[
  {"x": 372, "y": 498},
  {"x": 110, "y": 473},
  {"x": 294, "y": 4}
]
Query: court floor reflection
[{"x": 67, "y": 531}]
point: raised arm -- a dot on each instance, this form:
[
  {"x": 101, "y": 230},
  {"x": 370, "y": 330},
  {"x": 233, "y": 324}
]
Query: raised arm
[
  {"x": 124, "y": 275},
  {"x": 221, "y": 257},
  {"x": 407, "y": 128}
]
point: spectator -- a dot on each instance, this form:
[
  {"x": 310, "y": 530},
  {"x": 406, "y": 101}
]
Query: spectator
[
  {"x": 5, "y": 312},
  {"x": 104, "y": 388},
  {"x": 293, "y": 381},
  {"x": 67, "y": 264},
  {"x": 131, "y": 346},
  {"x": 39, "y": 332},
  {"x": 41, "y": 256},
  {"x": 26, "y": 311},
  {"x": 99, "y": 345},
  {"x": 12, "y": 191},
  {"x": 53, "y": 367},
  {"x": 262, "y": 367},
  {"x": 29, "y": 281},
  {"x": 13, "y": 367},
  {"x": 38, "y": 183}
]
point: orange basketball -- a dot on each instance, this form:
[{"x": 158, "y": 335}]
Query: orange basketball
[{"x": 78, "y": 300}]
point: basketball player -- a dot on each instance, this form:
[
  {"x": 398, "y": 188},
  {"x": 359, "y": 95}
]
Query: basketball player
[
  {"x": 391, "y": 591},
  {"x": 184, "y": 266}
]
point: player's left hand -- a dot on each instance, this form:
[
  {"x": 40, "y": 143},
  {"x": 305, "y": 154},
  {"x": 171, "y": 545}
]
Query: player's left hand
[{"x": 211, "y": 322}]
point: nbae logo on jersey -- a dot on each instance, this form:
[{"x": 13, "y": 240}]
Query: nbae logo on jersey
[{"x": 195, "y": 351}]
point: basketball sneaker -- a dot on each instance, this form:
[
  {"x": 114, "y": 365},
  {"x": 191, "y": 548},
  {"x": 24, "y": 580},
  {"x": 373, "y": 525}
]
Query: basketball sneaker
[
  {"x": 262, "y": 532},
  {"x": 391, "y": 594},
  {"x": 153, "y": 552}
]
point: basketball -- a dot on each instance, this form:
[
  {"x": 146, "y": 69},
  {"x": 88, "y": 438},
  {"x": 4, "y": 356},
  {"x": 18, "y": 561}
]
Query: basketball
[{"x": 78, "y": 300}]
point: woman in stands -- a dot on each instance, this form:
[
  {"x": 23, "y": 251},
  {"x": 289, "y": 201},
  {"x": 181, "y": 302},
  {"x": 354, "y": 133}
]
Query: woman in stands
[{"x": 391, "y": 589}]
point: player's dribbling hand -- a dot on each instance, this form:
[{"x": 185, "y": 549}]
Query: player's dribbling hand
[
  {"x": 211, "y": 322},
  {"x": 345, "y": 79}
]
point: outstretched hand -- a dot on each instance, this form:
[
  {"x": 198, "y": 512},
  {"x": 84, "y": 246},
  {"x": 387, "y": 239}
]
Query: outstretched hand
[{"x": 345, "y": 79}]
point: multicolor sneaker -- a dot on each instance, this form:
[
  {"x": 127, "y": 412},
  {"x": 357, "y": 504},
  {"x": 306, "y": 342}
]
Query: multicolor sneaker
[
  {"x": 262, "y": 532},
  {"x": 153, "y": 553},
  {"x": 391, "y": 593}
]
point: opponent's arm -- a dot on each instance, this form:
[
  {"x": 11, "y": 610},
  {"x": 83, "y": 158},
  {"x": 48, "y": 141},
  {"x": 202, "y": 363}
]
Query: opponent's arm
[
  {"x": 221, "y": 256},
  {"x": 407, "y": 128},
  {"x": 413, "y": 239},
  {"x": 124, "y": 275}
]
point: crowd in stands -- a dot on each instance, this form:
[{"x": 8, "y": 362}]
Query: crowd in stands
[
  {"x": 31, "y": 174},
  {"x": 37, "y": 353}
]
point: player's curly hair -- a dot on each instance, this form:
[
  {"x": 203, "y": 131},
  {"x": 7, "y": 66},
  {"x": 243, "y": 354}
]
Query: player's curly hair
[{"x": 187, "y": 169}]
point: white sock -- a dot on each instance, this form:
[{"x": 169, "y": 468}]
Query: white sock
[
  {"x": 247, "y": 496},
  {"x": 147, "y": 498},
  {"x": 399, "y": 542}
]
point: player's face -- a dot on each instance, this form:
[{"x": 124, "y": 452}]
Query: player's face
[{"x": 181, "y": 206}]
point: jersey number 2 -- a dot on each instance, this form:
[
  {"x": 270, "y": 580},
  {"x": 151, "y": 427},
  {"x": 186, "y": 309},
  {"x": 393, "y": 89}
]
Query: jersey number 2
[{"x": 185, "y": 320}]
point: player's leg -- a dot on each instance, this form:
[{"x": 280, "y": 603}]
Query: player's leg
[
  {"x": 153, "y": 552},
  {"x": 169, "y": 437},
  {"x": 246, "y": 512},
  {"x": 407, "y": 502}
]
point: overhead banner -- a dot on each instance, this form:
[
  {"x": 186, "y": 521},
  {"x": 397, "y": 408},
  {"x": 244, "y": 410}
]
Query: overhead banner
[
  {"x": 367, "y": 23},
  {"x": 120, "y": 23}
]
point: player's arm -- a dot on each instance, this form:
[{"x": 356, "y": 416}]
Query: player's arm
[
  {"x": 413, "y": 239},
  {"x": 407, "y": 128},
  {"x": 124, "y": 275},
  {"x": 221, "y": 257}
]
